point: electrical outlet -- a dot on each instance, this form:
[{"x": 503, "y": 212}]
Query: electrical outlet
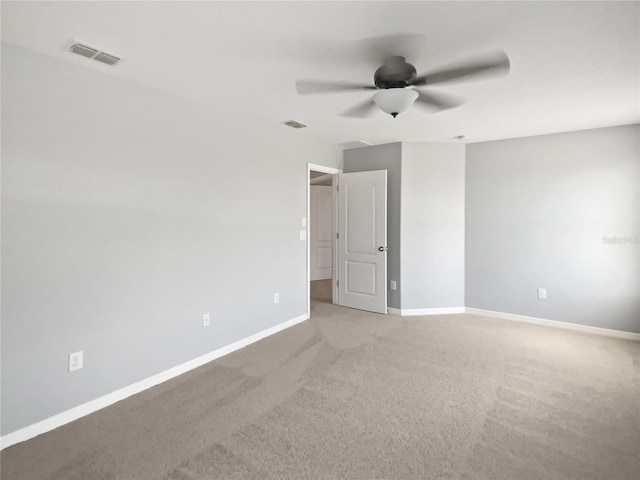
[
  {"x": 303, "y": 234},
  {"x": 276, "y": 297},
  {"x": 206, "y": 319},
  {"x": 76, "y": 360},
  {"x": 393, "y": 284},
  {"x": 542, "y": 293}
]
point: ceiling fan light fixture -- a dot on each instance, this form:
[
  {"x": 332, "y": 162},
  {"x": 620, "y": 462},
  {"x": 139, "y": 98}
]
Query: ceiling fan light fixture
[{"x": 395, "y": 100}]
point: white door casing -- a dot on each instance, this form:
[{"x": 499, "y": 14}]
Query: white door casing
[
  {"x": 321, "y": 232},
  {"x": 305, "y": 223},
  {"x": 362, "y": 242}
]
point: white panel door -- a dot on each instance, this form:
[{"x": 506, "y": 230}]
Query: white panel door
[
  {"x": 321, "y": 232},
  {"x": 362, "y": 242}
]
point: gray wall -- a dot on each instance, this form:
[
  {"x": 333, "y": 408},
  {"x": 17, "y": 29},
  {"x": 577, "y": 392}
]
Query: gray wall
[
  {"x": 126, "y": 215},
  {"x": 384, "y": 157},
  {"x": 537, "y": 210},
  {"x": 432, "y": 232}
]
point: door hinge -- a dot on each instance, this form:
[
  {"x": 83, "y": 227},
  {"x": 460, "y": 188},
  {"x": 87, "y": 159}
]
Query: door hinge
[
  {"x": 338, "y": 235},
  {"x": 337, "y": 283}
]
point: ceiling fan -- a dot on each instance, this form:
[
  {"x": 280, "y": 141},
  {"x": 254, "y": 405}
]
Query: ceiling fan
[{"x": 396, "y": 81}]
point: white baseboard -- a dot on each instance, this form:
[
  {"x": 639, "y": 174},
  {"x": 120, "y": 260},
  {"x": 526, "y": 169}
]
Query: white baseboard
[
  {"x": 426, "y": 311},
  {"x": 554, "y": 323},
  {"x": 519, "y": 318},
  {"x": 87, "y": 408}
]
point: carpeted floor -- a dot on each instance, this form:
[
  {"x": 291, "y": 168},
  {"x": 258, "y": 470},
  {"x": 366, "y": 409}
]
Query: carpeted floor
[{"x": 352, "y": 395}]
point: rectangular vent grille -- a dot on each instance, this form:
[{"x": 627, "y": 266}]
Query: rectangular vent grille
[
  {"x": 106, "y": 58},
  {"x": 294, "y": 124},
  {"x": 94, "y": 54},
  {"x": 83, "y": 50}
]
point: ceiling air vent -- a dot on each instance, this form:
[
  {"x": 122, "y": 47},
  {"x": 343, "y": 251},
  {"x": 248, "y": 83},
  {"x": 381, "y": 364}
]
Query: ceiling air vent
[
  {"x": 93, "y": 53},
  {"x": 106, "y": 58},
  {"x": 294, "y": 124},
  {"x": 84, "y": 50}
]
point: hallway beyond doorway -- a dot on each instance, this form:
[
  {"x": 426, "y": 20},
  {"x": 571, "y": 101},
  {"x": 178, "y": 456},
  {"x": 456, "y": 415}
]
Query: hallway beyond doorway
[{"x": 321, "y": 291}]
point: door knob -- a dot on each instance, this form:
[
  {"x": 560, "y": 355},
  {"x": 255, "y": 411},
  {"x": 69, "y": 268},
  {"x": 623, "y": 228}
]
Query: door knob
[{"x": 382, "y": 249}]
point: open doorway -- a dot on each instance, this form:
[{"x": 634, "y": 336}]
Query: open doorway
[
  {"x": 349, "y": 270},
  {"x": 322, "y": 227},
  {"x": 321, "y": 236}
]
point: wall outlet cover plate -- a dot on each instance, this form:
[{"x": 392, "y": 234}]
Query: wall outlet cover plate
[{"x": 76, "y": 360}]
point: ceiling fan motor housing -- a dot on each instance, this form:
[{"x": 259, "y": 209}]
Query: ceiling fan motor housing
[{"x": 395, "y": 73}]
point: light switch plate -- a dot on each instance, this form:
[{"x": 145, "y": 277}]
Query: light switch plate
[
  {"x": 542, "y": 293},
  {"x": 304, "y": 221}
]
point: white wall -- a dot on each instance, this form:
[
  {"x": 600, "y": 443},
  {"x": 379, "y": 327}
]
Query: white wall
[
  {"x": 537, "y": 209},
  {"x": 127, "y": 214},
  {"x": 432, "y": 229}
]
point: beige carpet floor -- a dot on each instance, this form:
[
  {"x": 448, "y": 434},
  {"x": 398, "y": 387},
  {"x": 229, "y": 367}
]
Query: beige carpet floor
[{"x": 352, "y": 395}]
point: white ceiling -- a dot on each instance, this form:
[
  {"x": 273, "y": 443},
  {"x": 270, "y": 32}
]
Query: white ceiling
[{"x": 574, "y": 65}]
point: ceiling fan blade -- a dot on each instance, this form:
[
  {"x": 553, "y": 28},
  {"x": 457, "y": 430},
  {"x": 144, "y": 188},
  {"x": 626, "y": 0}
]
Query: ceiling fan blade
[
  {"x": 491, "y": 65},
  {"x": 437, "y": 101},
  {"x": 361, "y": 109},
  {"x": 307, "y": 87}
]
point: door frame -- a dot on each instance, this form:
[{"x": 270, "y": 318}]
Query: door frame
[{"x": 334, "y": 172}]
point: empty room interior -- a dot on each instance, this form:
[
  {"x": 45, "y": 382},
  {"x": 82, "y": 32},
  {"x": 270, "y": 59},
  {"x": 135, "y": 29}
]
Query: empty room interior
[{"x": 320, "y": 240}]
